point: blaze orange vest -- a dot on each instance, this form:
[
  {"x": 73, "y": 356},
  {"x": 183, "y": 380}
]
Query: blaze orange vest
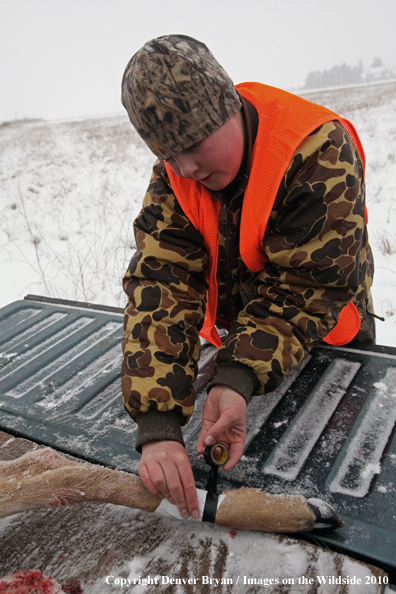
[{"x": 284, "y": 121}]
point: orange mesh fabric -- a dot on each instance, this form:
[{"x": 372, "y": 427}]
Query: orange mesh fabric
[
  {"x": 284, "y": 121},
  {"x": 203, "y": 212},
  {"x": 347, "y": 326}
]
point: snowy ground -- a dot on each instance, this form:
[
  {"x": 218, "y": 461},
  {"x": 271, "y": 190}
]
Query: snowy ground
[{"x": 69, "y": 191}]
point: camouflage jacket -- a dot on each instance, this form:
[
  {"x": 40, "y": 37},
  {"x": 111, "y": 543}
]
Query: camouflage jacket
[{"x": 319, "y": 259}]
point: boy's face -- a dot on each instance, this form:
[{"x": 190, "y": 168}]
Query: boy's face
[{"x": 215, "y": 160}]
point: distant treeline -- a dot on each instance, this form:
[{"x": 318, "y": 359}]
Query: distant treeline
[
  {"x": 336, "y": 76},
  {"x": 347, "y": 75}
]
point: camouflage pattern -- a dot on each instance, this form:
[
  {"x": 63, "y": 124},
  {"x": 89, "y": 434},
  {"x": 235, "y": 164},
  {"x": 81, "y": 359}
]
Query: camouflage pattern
[
  {"x": 319, "y": 259},
  {"x": 367, "y": 331},
  {"x": 176, "y": 94}
]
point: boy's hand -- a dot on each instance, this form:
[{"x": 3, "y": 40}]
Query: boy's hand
[
  {"x": 165, "y": 470},
  {"x": 224, "y": 419}
]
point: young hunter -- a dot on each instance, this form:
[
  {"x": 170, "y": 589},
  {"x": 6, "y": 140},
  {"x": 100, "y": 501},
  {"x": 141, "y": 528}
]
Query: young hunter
[{"x": 254, "y": 220}]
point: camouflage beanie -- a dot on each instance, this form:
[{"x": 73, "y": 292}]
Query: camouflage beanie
[{"x": 176, "y": 94}]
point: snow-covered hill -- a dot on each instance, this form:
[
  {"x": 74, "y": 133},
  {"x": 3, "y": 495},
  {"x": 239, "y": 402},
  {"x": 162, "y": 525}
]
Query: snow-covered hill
[{"x": 69, "y": 192}]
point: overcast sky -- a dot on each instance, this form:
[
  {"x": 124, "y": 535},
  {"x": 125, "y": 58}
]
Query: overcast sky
[{"x": 65, "y": 58}]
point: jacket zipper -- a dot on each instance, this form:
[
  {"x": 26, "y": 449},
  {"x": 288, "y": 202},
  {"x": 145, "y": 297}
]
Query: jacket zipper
[{"x": 227, "y": 247}]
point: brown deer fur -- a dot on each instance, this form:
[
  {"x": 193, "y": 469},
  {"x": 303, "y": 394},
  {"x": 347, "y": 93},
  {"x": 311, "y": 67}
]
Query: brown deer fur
[{"x": 45, "y": 478}]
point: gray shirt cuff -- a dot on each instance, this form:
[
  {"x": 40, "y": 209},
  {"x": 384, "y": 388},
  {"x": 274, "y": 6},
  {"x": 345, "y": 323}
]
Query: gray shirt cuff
[
  {"x": 236, "y": 376},
  {"x": 158, "y": 426}
]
